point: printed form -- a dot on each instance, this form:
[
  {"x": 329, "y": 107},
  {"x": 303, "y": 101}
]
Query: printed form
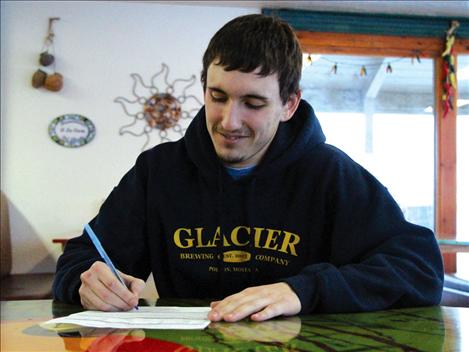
[{"x": 143, "y": 318}]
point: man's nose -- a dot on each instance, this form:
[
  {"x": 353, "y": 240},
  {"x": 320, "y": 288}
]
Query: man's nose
[{"x": 231, "y": 117}]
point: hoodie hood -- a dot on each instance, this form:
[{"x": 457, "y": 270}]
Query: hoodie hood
[{"x": 293, "y": 138}]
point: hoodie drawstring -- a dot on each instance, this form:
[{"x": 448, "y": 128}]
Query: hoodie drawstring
[
  {"x": 250, "y": 209},
  {"x": 219, "y": 219}
]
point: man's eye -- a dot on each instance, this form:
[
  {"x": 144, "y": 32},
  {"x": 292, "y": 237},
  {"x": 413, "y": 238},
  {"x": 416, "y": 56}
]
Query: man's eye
[
  {"x": 216, "y": 97},
  {"x": 254, "y": 106}
]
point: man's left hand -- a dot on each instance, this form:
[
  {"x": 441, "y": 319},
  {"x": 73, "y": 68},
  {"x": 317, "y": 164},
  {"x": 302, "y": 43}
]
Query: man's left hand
[{"x": 260, "y": 303}]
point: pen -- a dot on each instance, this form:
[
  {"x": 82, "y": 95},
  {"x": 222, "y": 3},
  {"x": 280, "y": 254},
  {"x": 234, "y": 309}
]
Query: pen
[{"x": 103, "y": 254}]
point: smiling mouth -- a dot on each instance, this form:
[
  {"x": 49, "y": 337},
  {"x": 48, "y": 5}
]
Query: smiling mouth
[{"x": 232, "y": 137}]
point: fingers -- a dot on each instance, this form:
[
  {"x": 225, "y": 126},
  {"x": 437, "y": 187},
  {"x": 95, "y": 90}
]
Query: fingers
[
  {"x": 89, "y": 300},
  {"x": 214, "y": 304},
  {"x": 241, "y": 305},
  {"x": 238, "y": 306},
  {"x": 260, "y": 303},
  {"x": 134, "y": 284},
  {"x": 270, "y": 311},
  {"x": 101, "y": 290}
]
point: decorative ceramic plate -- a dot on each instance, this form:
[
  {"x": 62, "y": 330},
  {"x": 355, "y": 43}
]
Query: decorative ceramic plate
[{"x": 71, "y": 130}]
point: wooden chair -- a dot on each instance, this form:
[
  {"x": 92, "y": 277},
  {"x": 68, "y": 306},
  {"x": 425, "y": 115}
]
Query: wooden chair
[{"x": 18, "y": 286}]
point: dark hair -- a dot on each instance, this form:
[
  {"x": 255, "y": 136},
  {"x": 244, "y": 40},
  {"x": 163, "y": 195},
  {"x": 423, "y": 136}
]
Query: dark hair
[{"x": 257, "y": 41}]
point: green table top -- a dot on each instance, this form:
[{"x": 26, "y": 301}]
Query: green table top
[{"x": 412, "y": 329}]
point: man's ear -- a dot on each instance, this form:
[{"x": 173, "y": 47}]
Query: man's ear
[{"x": 291, "y": 105}]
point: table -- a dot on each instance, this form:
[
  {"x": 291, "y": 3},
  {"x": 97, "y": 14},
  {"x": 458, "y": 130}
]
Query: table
[
  {"x": 61, "y": 241},
  {"x": 411, "y": 329}
]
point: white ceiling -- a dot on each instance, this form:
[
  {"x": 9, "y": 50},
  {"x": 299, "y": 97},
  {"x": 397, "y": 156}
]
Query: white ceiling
[{"x": 447, "y": 8}]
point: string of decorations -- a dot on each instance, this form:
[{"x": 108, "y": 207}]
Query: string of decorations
[
  {"x": 363, "y": 68},
  {"x": 449, "y": 72}
]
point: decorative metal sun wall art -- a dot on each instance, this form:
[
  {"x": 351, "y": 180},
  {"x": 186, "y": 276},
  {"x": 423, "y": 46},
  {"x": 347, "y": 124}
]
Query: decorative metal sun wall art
[{"x": 167, "y": 110}]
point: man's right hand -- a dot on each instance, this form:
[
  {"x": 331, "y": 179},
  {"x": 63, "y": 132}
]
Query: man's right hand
[{"x": 101, "y": 290}]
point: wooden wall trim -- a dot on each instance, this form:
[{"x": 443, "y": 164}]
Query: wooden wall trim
[
  {"x": 375, "y": 45},
  {"x": 445, "y": 159},
  {"x": 363, "y": 44}
]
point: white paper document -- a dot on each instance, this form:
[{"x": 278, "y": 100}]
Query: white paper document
[{"x": 143, "y": 318}]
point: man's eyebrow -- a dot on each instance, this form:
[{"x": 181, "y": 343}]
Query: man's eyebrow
[
  {"x": 218, "y": 90},
  {"x": 249, "y": 96}
]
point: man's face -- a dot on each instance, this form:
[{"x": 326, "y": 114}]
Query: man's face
[{"x": 243, "y": 112}]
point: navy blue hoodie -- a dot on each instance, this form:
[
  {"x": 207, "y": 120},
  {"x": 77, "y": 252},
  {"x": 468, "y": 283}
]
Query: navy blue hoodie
[{"x": 307, "y": 215}]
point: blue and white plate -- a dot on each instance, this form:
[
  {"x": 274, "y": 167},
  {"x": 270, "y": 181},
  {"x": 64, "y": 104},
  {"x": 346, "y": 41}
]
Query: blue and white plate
[{"x": 72, "y": 130}]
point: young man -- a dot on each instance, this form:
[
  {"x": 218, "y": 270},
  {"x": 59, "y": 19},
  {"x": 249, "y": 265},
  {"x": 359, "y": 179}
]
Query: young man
[{"x": 252, "y": 208}]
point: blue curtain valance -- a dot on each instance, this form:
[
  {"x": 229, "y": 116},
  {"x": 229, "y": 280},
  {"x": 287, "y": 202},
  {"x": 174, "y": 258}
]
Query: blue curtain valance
[{"x": 378, "y": 24}]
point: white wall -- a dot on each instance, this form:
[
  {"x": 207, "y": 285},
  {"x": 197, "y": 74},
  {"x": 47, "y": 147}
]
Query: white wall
[{"x": 53, "y": 191}]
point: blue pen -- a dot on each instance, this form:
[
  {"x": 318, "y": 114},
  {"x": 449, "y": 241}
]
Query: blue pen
[{"x": 103, "y": 254}]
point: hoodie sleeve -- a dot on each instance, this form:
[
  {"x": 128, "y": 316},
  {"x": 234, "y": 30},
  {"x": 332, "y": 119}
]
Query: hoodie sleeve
[
  {"x": 119, "y": 224},
  {"x": 378, "y": 260}
]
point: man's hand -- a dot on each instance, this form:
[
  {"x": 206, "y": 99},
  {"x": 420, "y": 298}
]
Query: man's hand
[
  {"x": 260, "y": 303},
  {"x": 101, "y": 290}
]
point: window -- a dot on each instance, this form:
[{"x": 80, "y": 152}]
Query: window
[
  {"x": 384, "y": 36},
  {"x": 379, "y": 111}
]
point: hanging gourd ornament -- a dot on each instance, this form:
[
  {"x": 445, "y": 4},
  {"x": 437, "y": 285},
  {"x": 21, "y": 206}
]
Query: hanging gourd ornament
[
  {"x": 39, "y": 78},
  {"x": 54, "y": 82},
  {"x": 46, "y": 59}
]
